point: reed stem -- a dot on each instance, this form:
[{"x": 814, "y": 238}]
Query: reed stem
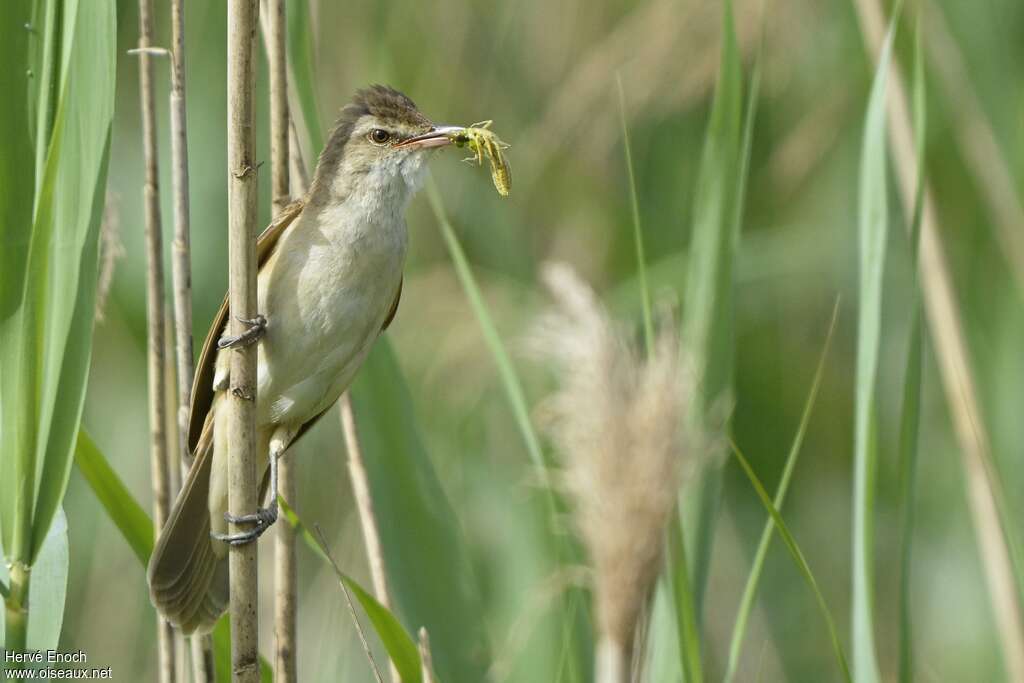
[
  {"x": 242, "y": 190},
  {"x": 274, "y": 28},
  {"x": 364, "y": 504},
  {"x": 154, "y": 313}
]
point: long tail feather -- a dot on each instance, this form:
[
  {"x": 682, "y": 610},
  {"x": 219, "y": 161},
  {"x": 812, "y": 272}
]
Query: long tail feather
[{"x": 188, "y": 578}]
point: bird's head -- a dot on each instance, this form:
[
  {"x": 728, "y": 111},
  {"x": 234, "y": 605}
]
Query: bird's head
[{"x": 378, "y": 145}]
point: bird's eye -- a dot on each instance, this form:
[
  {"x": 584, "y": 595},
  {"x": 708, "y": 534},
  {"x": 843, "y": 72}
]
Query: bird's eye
[{"x": 379, "y": 136}]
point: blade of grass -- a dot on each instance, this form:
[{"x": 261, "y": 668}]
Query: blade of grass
[
  {"x": 428, "y": 567},
  {"x": 638, "y": 235},
  {"x": 908, "y": 466},
  {"x": 910, "y": 418},
  {"x": 750, "y": 590},
  {"x": 873, "y": 231},
  {"x": 663, "y": 660},
  {"x": 46, "y": 28},
  {"x": 688, "y": 631},
  {"x": 400, "y": 646},
  {"x": 995, "y": 527},
  {"x": 51, "y": 245},
  {"x": 136, "y": 529},
  {"x": 72, "y": 198},
  {"x": 49, "y": 587},
  {"x": 17, "y": 399},
  {"x": 707, "y": 330},
  {"x": 573, "y": 606},
  {"x": 797, "y": 555},
  {"x": 15, "y": 184},
  {"x": 707, "y": 317},
  {"x": 506, "y": 370},
  {"x": 134, "y": 524},
  {"x": 707, "y": 327}
]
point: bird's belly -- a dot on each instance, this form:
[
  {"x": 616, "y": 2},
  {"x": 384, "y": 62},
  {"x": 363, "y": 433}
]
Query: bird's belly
[{"x": 318, "y": 334}]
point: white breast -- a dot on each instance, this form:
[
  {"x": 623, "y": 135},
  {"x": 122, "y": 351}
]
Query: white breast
[{"x": 326, "y": 296}]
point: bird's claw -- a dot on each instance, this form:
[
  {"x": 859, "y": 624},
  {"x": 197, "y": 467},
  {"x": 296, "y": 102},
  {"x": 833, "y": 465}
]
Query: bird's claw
[
  {"x": 263, "y": 518},
  {"x": 256, "y": 327}
]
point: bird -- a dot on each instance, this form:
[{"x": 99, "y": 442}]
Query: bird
[{"x": 328, "y": 285}]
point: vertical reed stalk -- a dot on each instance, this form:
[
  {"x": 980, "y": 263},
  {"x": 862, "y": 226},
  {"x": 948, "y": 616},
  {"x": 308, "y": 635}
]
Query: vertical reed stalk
[
  {"x": 426, "y": 657},
  {"x": 296, "y": 166},
  {"x": 181, "y": 268},
  {"x": 201, "y": 647},
  {"x": 242, "y": 188},
  {"x": 155, "y": 313},
  {"x": 274, "y": 37},
  {"x": 364, "y": 503},
  {"x": 611, "y": 662},
  {"x": 983, "y": 492},
  {"x": 285, "y": 599}
]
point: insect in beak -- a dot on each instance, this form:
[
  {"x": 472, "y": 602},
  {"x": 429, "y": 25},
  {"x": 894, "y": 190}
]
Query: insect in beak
[{"x": 438, "y": 136}]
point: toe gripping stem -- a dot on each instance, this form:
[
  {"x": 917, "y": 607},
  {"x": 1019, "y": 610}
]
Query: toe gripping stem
[
  {"x": 255, "y": 328},
  {"x": 263, "y": 518}
]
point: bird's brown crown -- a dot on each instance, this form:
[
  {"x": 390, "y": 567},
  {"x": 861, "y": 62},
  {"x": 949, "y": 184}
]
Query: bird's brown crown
[{"x": 389, "y": 106}]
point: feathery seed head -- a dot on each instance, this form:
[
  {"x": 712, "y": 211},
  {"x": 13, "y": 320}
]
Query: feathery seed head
[{"x": 620, "y": 424}]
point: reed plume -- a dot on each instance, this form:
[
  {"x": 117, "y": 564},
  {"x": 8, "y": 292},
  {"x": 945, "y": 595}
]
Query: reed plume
[{"x": 619, "y": 423}]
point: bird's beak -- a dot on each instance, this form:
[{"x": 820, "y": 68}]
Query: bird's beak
[{"x": 435, "y": 137}]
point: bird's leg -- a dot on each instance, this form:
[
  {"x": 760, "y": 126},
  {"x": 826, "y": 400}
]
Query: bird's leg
[
  {"x": 256, "y": 327},
  {"x": 264, "y": 517}
]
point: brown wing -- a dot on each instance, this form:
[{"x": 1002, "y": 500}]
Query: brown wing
[
  {"x": 394, "y": 306},
  {"x": 202, "y": 387}
]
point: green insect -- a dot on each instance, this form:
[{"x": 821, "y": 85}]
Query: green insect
[{"x": 483, "y": 142}]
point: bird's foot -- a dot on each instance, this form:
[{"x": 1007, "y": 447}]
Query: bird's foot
[
  {"x": 263, "y": 518},
  {"x": 256, "y": 328}
]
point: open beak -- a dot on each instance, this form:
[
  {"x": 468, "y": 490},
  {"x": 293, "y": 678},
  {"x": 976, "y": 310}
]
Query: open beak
[{"x": 435, "y": 137}]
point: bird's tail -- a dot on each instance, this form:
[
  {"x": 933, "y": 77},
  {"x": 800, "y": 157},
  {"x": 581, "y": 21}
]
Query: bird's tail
[{"x": 188, "y": 575}]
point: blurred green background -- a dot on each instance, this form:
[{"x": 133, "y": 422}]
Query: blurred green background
[{"x": 545, "y": 72}]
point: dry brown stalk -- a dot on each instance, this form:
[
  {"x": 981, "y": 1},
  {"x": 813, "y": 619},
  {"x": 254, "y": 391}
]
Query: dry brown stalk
[
  {"x": 426, "y": 658},
  {"x": 364, "y": 504},
  {"x": 954, "y": 364},
  {"x": 181, "y": 278},
  {"x": 297, "y": 167},
  {"x": 111, "y": 250},
  {"x": 181, "y": 268},
  {"x": 274, "y": 35},
  {"x": 154, "y": 314},
  {"x": 274, "y": 30},
  {"x": 242, "y": 189}
]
